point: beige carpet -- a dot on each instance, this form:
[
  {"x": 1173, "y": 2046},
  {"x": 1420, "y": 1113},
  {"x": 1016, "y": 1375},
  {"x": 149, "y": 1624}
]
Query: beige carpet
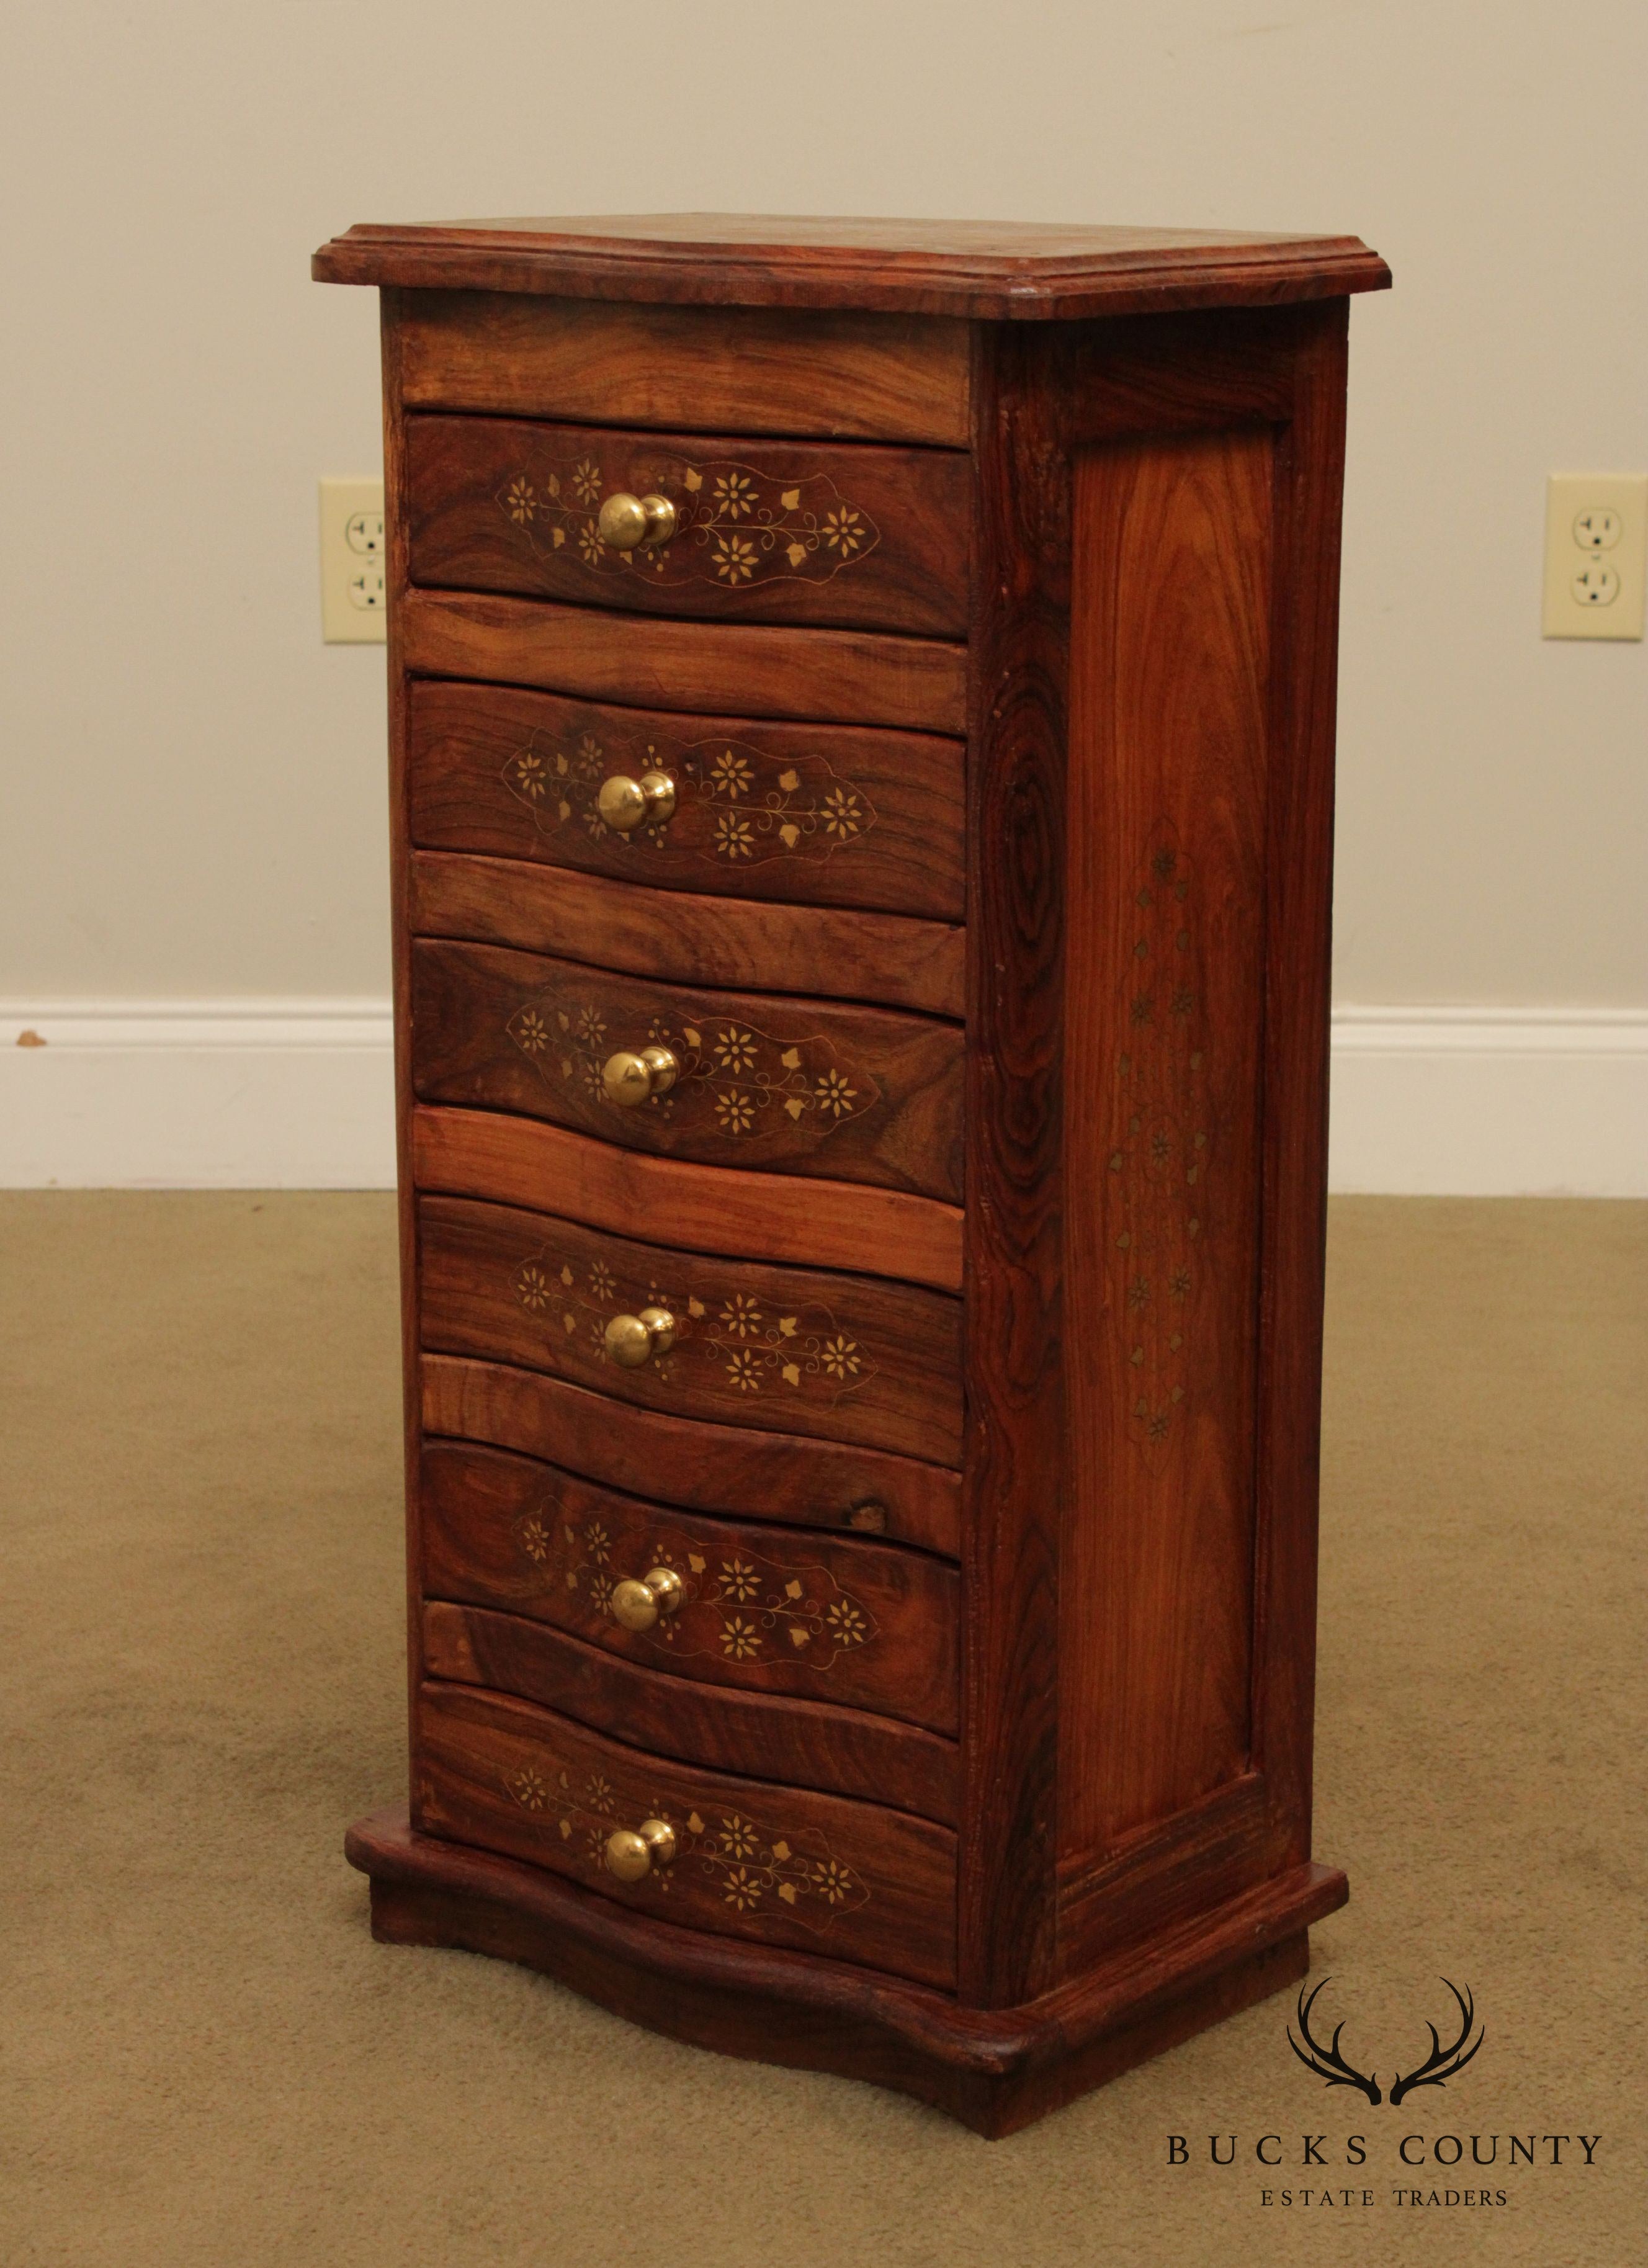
[{"x": 207, "y": 2061}]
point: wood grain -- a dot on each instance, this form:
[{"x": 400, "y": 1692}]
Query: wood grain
[
  {"x": 788, "y": 1350},
  {"x": 778, "y": 1866},
  {"x": 803, "y": 1743},
  {"x": 990, "y": 270},
  {"x": 482, "y": 1153},
  {"x": 706, "y": 1467},
  {"x": 688, "y": 939},
  {"x": 765, "y": 1083},
  {"x": 832, "y": 677},
  {"x": 827, "y": 815},
  {"x": 768, "y": 1609},
  {"x": 820, "y": 532},
  {"x": 842, "y": 375},
  {"x": 996, "y": 2071},
  {"x": 1014, "y": 1256},
  {"x": 1166, "y": 887}
]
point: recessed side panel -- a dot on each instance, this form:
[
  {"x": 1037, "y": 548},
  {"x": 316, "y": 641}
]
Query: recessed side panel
[{"x": 1169, "y": 668}]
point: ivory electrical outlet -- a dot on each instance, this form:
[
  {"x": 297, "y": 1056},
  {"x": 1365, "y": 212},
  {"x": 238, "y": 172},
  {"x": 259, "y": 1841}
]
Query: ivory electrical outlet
[
  {"x": 353, "y": 593},
  {"x": 1596, "y": 555}
]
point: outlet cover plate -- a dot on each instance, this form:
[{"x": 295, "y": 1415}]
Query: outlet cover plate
[
  {"x": 1596, "y": 555},
  {"x": 354, "y": 600}
]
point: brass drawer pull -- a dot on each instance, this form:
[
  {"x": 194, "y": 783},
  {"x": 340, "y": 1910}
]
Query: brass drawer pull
[
  {"x": 632, "y": 1340},
  {"x": 633, "y": 1851},
  {"x": 638, "y": 1606},
  {"x": 626, "y": 803},
  {"x": 632, "y": 1080},
  {"x": 630, "y": 523}
]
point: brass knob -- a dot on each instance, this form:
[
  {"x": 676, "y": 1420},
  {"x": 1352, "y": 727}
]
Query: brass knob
[
  {"x": 632, "y": 1340},
  {"x": 638, "y": 1606},
  {"x": 633, "y": 1079},
  {"x": 626, "y": 803},
  {"x": 634, "y": 1852},
  {"x": 630, "y": 523}
]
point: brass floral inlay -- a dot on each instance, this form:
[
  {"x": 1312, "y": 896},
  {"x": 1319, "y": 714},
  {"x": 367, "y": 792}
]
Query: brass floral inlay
[
  {"x": 1161, "y": 1150},
  {"x": 736, "y": 1606},
  {"x": 734, "y": 806},
  {"x": 732, "y": 1344},
  {"x": 749, "y": 1866},
  {"x": 732, "y": 1080},
  {"x": 734, "y": 524}
]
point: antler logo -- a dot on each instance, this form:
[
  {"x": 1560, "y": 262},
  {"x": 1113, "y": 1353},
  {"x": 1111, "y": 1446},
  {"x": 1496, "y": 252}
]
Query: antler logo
[{"x": 1441, "y": 2064}]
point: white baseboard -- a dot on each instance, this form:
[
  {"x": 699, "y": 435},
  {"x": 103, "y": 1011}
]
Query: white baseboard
[
  {"x": 297, "y": 1094},
  {"x": 197, "y": 1094},
  {"x": 1491, "y": 1102}
]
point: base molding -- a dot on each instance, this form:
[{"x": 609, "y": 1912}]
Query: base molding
[{"x": 994, "y": 2069}]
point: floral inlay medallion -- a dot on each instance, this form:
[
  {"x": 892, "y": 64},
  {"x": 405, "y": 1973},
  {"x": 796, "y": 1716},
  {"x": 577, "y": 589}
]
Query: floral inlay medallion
[
  {"x": 733, "y": 1079},
  {"x": 745, "y": 1866},
  {"x": 737, "y": 1607},
  {"x": 735, "y": 525},
  {"x": 734, "y": 805},
  {"x": 729, "y": 1344}
]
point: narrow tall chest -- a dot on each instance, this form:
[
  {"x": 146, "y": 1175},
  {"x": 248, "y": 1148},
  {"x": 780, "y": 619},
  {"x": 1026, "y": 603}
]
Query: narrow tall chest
[{"x": 862, "y": 735}]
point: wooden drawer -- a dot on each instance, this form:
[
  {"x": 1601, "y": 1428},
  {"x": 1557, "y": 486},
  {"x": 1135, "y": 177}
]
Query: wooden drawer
[
  {"x": 809, "y": 1086},
  {"x": 767, "y": 1609},
  {"x": 802, "y": 1743},
  {"x": 839, "y": 374},
  {"x": 779, "y": 1866},
  {"x": 767, "y": 531},
  {"x": 789, "y": 1350},
  {"x": 833, "y": 1485},
  {"x": 827, "y": 815}
]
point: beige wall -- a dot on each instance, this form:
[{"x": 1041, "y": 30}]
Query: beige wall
[{"x": 192, "y": 782}]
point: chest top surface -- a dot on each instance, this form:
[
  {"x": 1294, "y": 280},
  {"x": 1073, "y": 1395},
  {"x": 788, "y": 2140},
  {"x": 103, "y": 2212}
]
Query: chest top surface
[{"x": 988, "y": 271}]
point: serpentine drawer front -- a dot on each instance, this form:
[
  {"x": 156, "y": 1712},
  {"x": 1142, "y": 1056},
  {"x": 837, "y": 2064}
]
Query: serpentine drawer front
[
  {"x": 726, "y": 1078},
  {"x": 782, "y": 1865},
  {"x": 768, "y": 1609},
  {"x": 745, "y": 531},
  {"x": 861, "y": 715},
  {"x": 790, "y": 1349},
  {"x": 827, "y": 814}
]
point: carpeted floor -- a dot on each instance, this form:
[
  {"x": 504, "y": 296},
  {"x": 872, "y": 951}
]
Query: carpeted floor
[{"x": 209, "y": 2064}]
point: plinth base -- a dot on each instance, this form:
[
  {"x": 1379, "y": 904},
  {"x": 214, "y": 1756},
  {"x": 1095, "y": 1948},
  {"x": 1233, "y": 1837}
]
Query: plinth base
[{"x": 994, "y": 2069}]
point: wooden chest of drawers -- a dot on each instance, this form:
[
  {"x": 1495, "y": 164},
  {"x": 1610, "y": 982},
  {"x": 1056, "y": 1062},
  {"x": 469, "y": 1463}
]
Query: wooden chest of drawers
[{"x": 862, "y": 707}]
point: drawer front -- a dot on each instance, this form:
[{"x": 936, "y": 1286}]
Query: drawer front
[
  {"x": 768, "y": 1609},
  {"x": 765, "y": 531},
  {"x": 823, "y": 814},
  {"x": 880, "y": 1760},
  {"x": 779, "y": 1866},
  {"x": 784, "y": 1349},
  {"x": 807, "y": 1086},
  {"x": 834, "y": 372}
]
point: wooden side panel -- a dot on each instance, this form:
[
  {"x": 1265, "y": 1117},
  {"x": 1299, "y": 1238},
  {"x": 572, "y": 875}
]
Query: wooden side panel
[
  {"x": 796, "y": 1085},
  {"x": 772, "y": 1865},
  {"x": 782, "y": 1350},
  {"x": 803, "y": 1743},
  {"x": 1169, "y": 688},
  {"x": 767, "y": 531},
  {"x": 818, "y": 814},
  {"x": 708, "y": 1468},
  {"x": 886, "y": 958},
  {"x": 729, "y": 370},
  {"x": 763, "y": 1609},
  {"x": 833, "y": 677}
]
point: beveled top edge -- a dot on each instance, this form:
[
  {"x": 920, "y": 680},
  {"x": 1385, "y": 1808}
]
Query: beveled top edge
[{"x": 979, "y": 268}]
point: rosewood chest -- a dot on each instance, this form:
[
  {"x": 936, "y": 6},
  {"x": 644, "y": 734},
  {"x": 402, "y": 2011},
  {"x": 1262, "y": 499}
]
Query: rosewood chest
[{"x": 863, "y": 711}]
